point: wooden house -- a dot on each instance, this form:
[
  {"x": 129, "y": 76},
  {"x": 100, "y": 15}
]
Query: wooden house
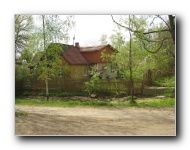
[{"x": 81, "y": 59}]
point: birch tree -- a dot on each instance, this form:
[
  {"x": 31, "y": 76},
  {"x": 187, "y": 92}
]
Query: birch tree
[{"x": 53, "y": 31}]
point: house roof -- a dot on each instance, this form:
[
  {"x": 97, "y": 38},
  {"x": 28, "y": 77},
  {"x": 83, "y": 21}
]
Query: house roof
[
  {"x": 73, "y": 56},
  {"x": 92, "y": 48},
  {"x": 76, "y": 55}
]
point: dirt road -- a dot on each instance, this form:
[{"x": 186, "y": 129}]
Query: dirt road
[{"x": 95, "y": 121}]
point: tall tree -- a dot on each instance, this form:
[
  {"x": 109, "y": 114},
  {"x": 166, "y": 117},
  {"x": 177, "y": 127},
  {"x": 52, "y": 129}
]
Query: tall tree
[
  {"x": 23, "y": 29},
  {"x": 130, "y": 62},
  {"x": 128, "y": 59},
  {"x": 53, "y": 31},
  {"x": 149, "y": 34},
  {"x": 117, "y": 40},
  {"x": 31, "y": 48},
  {"x": 156, "y": 35},
  {"x": 46, "y": 74}
]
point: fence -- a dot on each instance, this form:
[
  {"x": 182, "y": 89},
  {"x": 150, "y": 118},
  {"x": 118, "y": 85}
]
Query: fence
[
  {"x": 59, "y": 84},
  {"x": 116, "y": 86},
  {"x": 121, "y": 86}
]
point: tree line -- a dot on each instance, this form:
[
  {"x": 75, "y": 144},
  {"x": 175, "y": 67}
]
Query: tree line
[{"x": 142, "y": 42}]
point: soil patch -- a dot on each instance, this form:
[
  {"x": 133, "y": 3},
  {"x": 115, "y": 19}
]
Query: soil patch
[{"x": 94, "y": 121}]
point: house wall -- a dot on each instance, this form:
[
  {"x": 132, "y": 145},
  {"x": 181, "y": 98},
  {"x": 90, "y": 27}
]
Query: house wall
[
  {"x": 77, "y": 71},
  {"x": 105, "y": 72},
  {"x": 95, "y": 57},
  {"x": 81, "y": 71}
]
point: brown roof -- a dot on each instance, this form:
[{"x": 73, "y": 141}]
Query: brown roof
[
  {"x": 92, "y": 48},
  {"x": 73, "y": 56}
]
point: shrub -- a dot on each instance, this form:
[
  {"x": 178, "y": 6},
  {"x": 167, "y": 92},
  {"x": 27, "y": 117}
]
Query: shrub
[{"x": 92, "y": 86}]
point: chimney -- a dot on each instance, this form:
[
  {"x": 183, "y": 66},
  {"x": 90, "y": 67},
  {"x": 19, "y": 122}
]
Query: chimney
[{"x": 77, "y": 45}]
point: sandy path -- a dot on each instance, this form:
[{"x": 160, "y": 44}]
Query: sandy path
[{"x": 94, "y": 121}]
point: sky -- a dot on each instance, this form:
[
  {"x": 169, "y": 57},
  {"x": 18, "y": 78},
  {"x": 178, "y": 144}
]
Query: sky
[{"x": 89, "y": 28}]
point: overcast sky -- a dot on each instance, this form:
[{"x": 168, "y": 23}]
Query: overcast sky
[{"x": 89, "y": 28}]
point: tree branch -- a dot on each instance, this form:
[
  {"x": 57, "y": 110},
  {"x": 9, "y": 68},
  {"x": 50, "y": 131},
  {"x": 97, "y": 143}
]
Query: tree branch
[
  {"x": 164, "y": 22},
  {"x": 144, "y": 45},
  {"x": 136, "y": 31},
  {"x": 148, "y": 40},
  {"x": 152, "y": 22}
]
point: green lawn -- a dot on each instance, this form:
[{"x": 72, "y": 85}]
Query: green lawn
[{"x": 148, "y": 102}]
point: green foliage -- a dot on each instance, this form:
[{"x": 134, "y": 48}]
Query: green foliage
[
  {"x": 35, "y": 43},
  {"x": 92, "y": 86},
  {"x": 133, "y": 102},
  {"x": 22, "y": 72},
  {"x": 158, "y": 103},
  {"x": 103, "y": 39},
  {"x": 22, "y": 79},
  {"x": 31, "y": 49},
  {"x": 121, "y": 58},
  {"x": 55, "y": 29},
  {"x": 23, "y": 28},
  {"x": 65, "y": 103},
  {"x": 168, "y": 81},
  {"x": 148, "y": 50},
  {"x": 54, "y": 66},
  {"x": 130, "y": 97},
  {"x": 170, "y": 92},
  {"x": 141, "y": 103}
]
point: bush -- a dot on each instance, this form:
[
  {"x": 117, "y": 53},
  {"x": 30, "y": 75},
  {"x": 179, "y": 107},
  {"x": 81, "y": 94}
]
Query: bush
[
  {"x": 92, "y": 86},
  {"x": 170, "y": 92},
  {"x": 165, "y": 82}
]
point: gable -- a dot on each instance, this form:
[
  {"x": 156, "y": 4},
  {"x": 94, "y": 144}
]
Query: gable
[
  {"x": 93, "y": 54},
  {"x": 73, "y": 56},
  {"x": 76, "y": 55}
]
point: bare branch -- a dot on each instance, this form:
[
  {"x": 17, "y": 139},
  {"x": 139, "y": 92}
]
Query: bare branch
[
  {"x": 135, "y": 31},
  {"x": 164, "y": 21},
  {"x": 121, "y": 24},
  {"x": 152, "y": 22},
  {"x": 155, "y": 31},
  {"x": 148, "y": 40},
  {"x": 144, "y": 45}
]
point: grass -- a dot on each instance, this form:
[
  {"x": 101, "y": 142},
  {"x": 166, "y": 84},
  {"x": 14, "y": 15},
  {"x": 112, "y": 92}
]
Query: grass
[
  {"x": 165, "y": 82},
  {"x": 170, "y": 102},
  {"x": 17, "y": 114},
  {"x": 158, "y": 103},
  {"x": 61, "y": 103}
]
